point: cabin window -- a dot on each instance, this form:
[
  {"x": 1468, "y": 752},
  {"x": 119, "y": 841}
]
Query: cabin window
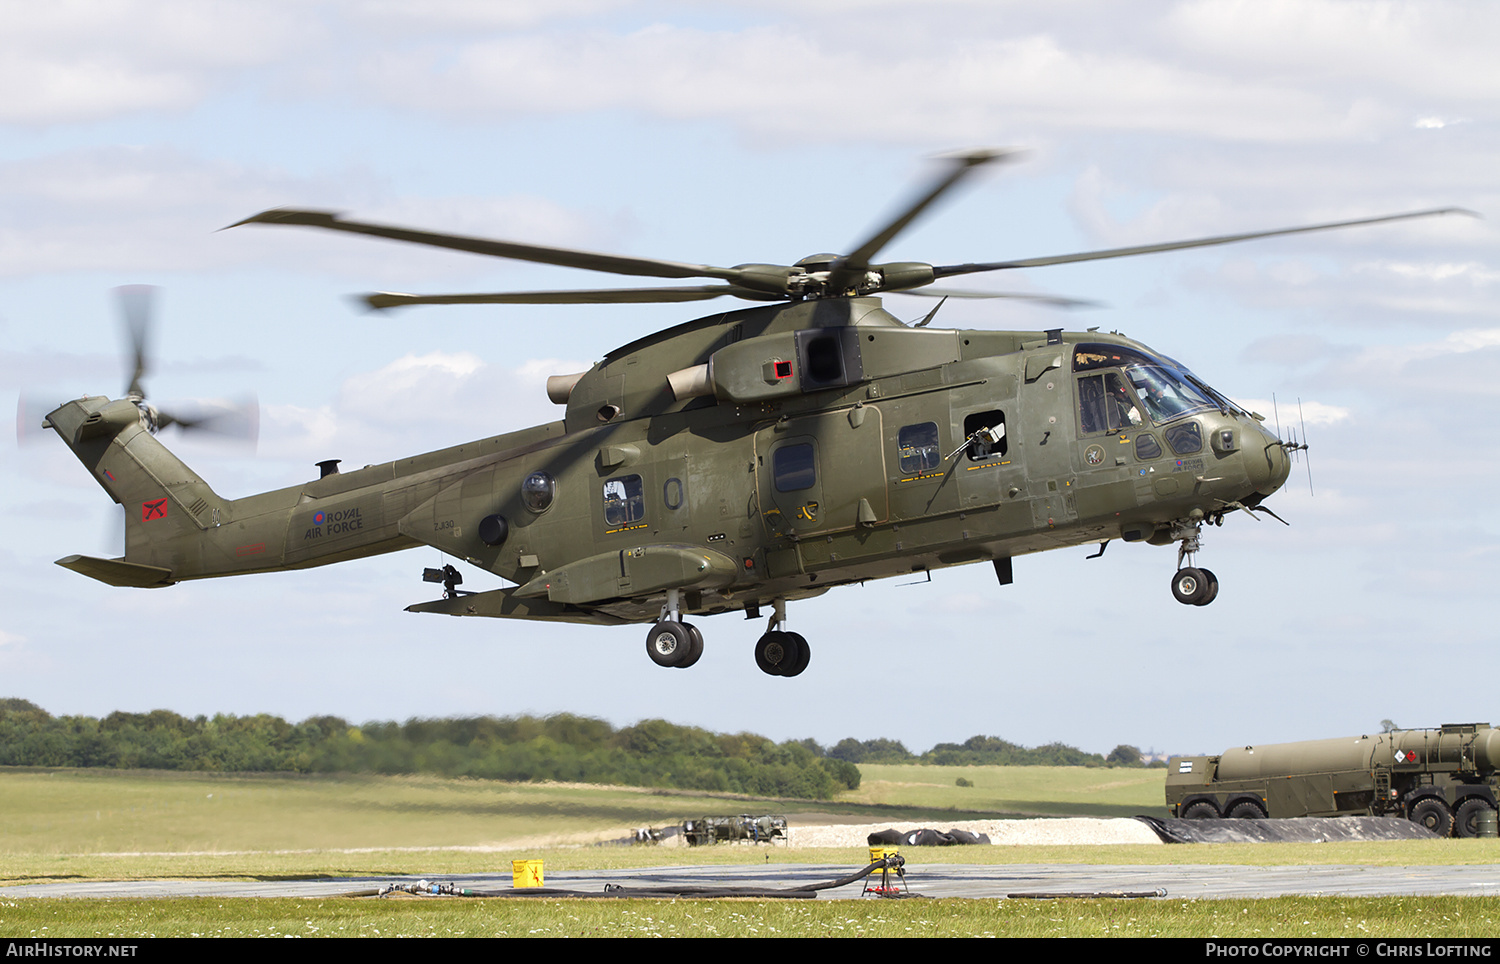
[
  {"x": 1146, "y": 446},
  {"x": 985, "y": 434},
  {"x": 1186, "y": 438},
  {"x": 624, "y": 501},
  {"x": 538, "y": 491},
  {"x": 917, "y": 448},
  {"x": 671, "y": 494},
  {"x": 794, "y": 467}
]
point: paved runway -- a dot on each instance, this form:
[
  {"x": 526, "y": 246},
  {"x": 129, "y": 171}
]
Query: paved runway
[{"x": 936, "y": 880}]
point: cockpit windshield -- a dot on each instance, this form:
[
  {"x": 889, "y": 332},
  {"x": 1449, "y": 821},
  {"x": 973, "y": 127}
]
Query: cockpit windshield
[{"x": 1165, "y": 389}]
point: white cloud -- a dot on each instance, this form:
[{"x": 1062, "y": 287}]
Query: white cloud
[
  {"x": 437, "y": 379},
  {"x": 1437, "y": 123},
  {"x": 159, "y": 208},
  {"x": 1437, "y": 48},
  {"x": 1391, "y": 358},
  {"x": 1292, "y": 412},
  {"x": 1470, "y": 271},
  {"x": 441, "y": 16},
  {"x": 415, "y": 404},
  {"x": 79, "y": 60},
  {"x": 975, "y": 85}
]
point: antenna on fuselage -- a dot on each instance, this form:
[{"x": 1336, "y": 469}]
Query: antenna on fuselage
[
  {"x": 1294, "y": 446},
  {"x": 1304, "y": 446}
]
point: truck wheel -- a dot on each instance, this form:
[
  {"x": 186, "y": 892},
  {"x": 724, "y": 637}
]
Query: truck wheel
[
  {"x": 1201, "y": 810},
  {"x": 1433, "y": 814},
  {"x": 1466, "y": 822},
  {"x": 1247, "y": 810}
]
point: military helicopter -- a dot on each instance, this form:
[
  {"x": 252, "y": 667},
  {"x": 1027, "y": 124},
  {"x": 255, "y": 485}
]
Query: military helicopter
[{"x": 742, "y": 460}]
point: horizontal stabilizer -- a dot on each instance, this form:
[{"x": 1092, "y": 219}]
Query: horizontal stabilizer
[{"x": 118, "y": 572}]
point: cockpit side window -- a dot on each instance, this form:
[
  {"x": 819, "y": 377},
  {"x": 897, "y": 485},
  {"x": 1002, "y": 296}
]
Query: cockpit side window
[{"x": 1105, "y": 404}]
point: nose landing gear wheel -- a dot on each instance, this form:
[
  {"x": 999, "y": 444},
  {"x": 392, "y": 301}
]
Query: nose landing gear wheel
[
  {"x": 1194, "y": 587},
  {"x": 1213, "y": 588},
  {"x": 671, "y": 644}
]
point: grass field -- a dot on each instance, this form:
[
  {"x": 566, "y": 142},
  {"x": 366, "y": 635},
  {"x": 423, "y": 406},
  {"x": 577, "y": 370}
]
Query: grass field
[
  {"x": 1046, "y": 791},
  {"x": 72, "y": 825},
  {"x": 1427, "y": 917}
]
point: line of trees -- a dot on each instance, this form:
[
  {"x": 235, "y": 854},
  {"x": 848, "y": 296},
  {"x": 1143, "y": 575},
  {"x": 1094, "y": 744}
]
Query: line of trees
[
  {"x": 984, "y": 751},
  {"x": 652, "y": 753}
]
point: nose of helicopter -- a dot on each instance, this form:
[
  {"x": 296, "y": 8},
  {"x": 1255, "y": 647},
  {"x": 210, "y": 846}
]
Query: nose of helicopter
[{"x": 1266, "y": 461}]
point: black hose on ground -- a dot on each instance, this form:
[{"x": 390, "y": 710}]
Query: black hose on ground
[{"x": 894, "y": 862}]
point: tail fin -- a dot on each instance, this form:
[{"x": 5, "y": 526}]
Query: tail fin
[{"x": 167, "y": 506}]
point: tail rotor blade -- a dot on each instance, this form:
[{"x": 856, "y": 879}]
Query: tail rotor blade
[
  {"x": 236, "y": 419},
  {"x": 135, "y": 307},
  {"x": 31, "y": 416}
]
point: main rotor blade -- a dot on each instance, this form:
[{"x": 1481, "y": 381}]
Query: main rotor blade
[
  {"x": 597, "y": 296},
  {"x": 135, "y": 306},
  {"x": 1051, "y": 301},
  {"x": 516, "y": 251},
  {"x": 949, "y": 270},
  {"x": 959, "y": 167}
]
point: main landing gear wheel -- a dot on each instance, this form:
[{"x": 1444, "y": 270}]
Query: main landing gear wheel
[
  {"x": 671, "y": 644},
  {"x": 804, "y": 654},
  {"x": 782, "y": 654},
  {"x": 696, "y": 650},
  {"x": 1195, "y": 587}
]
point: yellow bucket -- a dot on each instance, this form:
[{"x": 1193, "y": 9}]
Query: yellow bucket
[{"x": 526, "y": 873}]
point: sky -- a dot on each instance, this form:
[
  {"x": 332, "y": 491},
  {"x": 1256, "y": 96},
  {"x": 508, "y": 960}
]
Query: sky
[{"x": 131, "y": 132}]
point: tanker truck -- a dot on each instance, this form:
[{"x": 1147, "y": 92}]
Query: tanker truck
[{"x": 1443, "y": 779}]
